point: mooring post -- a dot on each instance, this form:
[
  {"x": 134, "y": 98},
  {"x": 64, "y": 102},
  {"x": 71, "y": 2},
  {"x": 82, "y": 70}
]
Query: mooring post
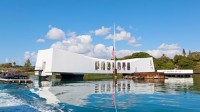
[
  {"x": 115, "y": 76},
  {"x": 40, "y": 78}
]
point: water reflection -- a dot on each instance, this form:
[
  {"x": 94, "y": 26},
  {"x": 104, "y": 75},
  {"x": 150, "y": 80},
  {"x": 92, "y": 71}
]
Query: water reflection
[
  {"x": 173, "y": 94},
  {"x": 79, "y": 93},
  {"x": 114, "y": 92}
]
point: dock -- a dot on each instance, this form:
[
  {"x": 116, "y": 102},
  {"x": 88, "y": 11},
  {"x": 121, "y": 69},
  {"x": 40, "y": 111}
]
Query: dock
[
  {"x": 145, "y": 75},
  {"x": 177, "y": 73},
  {"x": 17, "y": 81}
]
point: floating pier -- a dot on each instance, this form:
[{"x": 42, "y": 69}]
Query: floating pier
[
  {"x": 177, "y": 73},
  {"x": 18, "y": 81},
  {"x": 145, "y": 75}
]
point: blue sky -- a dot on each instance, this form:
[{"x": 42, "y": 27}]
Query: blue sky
[{"x": 86, "y": 27}]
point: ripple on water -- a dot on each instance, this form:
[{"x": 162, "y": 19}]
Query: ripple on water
[
  {"x": 20, "y": 99},
  {"x": 7, "y": 100}
]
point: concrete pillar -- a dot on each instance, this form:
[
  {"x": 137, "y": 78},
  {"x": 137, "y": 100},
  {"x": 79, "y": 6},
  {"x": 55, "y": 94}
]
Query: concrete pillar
[{"x": 40, "y": 78}]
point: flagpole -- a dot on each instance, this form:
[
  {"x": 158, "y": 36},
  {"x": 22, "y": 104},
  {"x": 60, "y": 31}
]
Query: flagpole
[
  {"x": 114, "y": 71},
  {"x": 114, "y": 55},
  {"x": 114, "y": 48}
]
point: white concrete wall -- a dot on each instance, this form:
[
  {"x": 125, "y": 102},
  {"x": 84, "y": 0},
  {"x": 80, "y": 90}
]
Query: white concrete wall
[
  {"x": 44, "y": 56},
  {"x": 66, "y": 62},
  {"x": 142, "y": 65}
]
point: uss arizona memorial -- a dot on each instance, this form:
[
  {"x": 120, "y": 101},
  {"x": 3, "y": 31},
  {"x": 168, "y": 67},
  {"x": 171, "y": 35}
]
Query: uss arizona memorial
[{"x": 53, "y": 60}]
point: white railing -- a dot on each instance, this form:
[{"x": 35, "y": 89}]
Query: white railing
[{"x": 176, "y": 71}]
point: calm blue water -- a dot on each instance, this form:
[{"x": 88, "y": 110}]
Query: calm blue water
[{"x": 170, "y": 95}]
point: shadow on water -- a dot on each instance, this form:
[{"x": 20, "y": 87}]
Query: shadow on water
[
  {"x": 196, "y": 78},
  {"x": 72, "y": 77}
]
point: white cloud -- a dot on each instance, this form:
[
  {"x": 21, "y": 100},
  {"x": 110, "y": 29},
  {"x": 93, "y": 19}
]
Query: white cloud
[
  {"x": 30, "y": 55},
  {"x": 18, "y": 61},
  {"x": 170, "y": 50},
  {"x": 124, "y": 35},
  {"x": 49, "y": 26},
  {"x": 79, "y": 44},
  {"x": 71, "y": 34},
  {"x": 59, "y": 45},
  {"x": 168, "y": 46},
  {"x": 137, "y": 45},
  {"x": 40, "y": 40},
  {"x": 101, "y": 51},
  {"x": 132, "y": 41},
  {"x": 120, "y": 35},
  {"x": 82, "y": 44},
  {"x": 169, "y": 53},
  {"x": 55, "y": 33},
  {"x": 103, "y": 31},
  {"x": 122, "y": 53},
  {"x": 7, "y": 60},
  {"x": 119, "y": 28}
]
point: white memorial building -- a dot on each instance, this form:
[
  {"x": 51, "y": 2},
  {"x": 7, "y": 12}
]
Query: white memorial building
[{"x": 60, "y": 61}]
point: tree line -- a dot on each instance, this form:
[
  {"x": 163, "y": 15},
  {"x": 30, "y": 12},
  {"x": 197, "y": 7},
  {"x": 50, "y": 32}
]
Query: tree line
[
  {"x": 184, "y": 61},
  {"x": 26, "y": 67}
]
